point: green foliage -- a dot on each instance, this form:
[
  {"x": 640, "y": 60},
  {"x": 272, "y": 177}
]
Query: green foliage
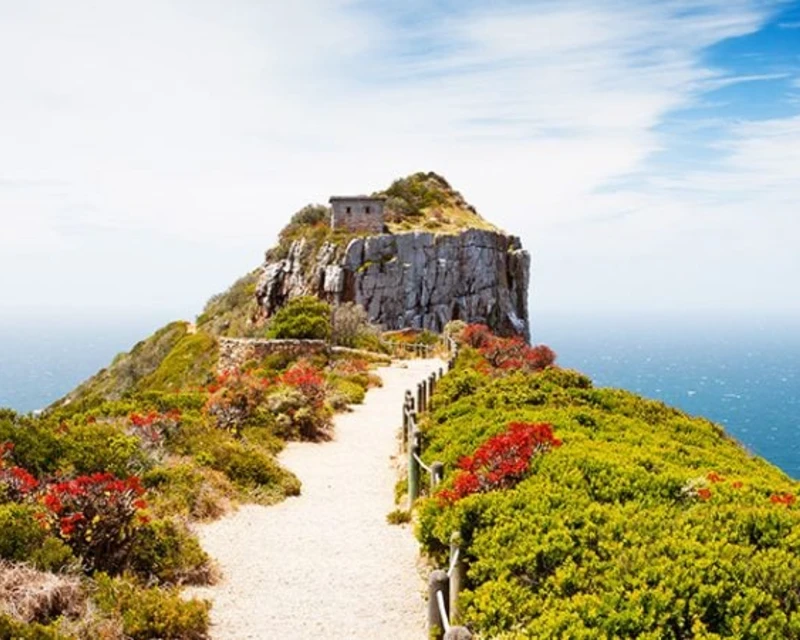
[
  {"x": 398, "y": 517},
  {"x": 427, "y": 201},
  {"x": 22, "y": 535},
  {"x": 303, "y": 318},
  {"x": 151, "y": 613},
  {"x": 15, "y": 630},
  {"x": 346, "y": 392},
  {"x": 189, "y": 491},
  {"x": 37, "y": 447},
  {"x": 409, "y": 197},
  {"x": 311, "y": 214},
  {"x": 93, "y": 448},
  {"x": 645, "y": 523},
  {"x": 128, "y": 369},
  {"x": 350, "y": 325},
  {"x": 190, "y": 363},
  {"x": 234, "y": 313},
  {"x": 166, "y": 551}
]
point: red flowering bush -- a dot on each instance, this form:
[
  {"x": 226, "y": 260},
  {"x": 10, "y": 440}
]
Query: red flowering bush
[
  {"x": 15, "y": 482},
  {"x": 477, "y": 336},
  {"x": 234, "y": 397},
  {"x": 787, "y": 499},
  {"x": 502, "y": 461},
  {"x": 507, "y": 354},
  {"x": 308, "y": 381},
  {"x": 96, "y": 516},
  {"x": 154, "y": 428}
]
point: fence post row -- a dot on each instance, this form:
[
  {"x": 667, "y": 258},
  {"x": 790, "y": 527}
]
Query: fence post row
[{"x": 444, "y": 587}]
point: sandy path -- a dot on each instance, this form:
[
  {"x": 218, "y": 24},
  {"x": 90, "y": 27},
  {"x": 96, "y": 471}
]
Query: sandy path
[{"x": 326, "y": 564}]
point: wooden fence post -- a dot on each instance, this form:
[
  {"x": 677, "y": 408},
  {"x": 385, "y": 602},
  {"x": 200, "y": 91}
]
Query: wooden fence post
[
  {"x": 437, "y": 582},
  {"x": 437, "y": 474},
  {"x": 413, "y": 469},
  {"x": 457, "y": 575},
  {"x": 406, "y": 409}
]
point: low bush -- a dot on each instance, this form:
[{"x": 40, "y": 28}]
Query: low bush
[
  {"x": 303, "y": 318},
  {"x": 166, "y": 551},
  {"x": 398, "y": 517},
  {"x": 96, "y": 516},
  {"x": 22, "y": 534},
  {"x": 102, "y": 448},
  {"x": 151, "y": 613},
  {"x": 17, "y": 630},
  {"x": 186, "y": 490}
]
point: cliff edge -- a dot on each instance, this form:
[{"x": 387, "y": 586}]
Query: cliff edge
[{"x": 417, "y": 279}]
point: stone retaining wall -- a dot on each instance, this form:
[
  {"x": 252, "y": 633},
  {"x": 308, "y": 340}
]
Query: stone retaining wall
[{"x": 234, "y": 352}]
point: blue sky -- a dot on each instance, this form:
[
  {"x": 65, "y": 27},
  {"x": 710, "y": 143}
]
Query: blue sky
[{"x": 647, "y": 152}]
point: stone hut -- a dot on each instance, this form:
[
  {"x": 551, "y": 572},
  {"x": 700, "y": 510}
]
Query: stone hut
[{"x": 358, "y": 213}]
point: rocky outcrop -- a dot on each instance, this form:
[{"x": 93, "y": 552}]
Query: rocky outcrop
[{"x": 411, "y": 280}]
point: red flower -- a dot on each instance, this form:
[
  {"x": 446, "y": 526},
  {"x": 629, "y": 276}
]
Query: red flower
[
  {"x": 715, "y": 478},
  {"x": 501, "y": 461},
  {"x": 737, "y": 485},
  {"x": 783, "y": 498},
  {"x": 704, "y": 494}
]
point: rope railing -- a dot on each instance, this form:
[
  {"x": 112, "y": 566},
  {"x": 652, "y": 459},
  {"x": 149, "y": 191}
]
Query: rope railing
[{"x": 444, "y": 587}]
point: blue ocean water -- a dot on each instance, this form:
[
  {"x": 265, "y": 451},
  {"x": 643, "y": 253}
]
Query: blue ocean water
[
  {"x": 43, "y": 359},
  {"x": 744, "y": 375}
]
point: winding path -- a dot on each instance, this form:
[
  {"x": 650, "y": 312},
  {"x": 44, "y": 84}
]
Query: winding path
[{"x": 326, "y": 564}]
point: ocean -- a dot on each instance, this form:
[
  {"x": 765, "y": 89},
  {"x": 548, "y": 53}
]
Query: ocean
[{"x": 744, "y": 375}]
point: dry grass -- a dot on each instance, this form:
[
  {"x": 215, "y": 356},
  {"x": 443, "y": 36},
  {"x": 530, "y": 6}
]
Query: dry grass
[
  {"x": 448, "y": 219},
  {"x": 35, "y": 596}
]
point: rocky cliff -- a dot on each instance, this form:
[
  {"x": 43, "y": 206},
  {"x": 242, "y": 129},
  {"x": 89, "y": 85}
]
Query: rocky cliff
[{"x": 410, "y": 280}]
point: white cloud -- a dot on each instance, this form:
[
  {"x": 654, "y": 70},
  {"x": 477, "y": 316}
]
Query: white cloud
[{"x": 204, "y": 124}]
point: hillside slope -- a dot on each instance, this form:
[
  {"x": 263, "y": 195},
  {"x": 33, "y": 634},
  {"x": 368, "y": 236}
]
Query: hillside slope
[{"x": 635, "y": 521}]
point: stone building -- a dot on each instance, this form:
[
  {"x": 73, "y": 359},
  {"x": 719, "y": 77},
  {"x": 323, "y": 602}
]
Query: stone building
[{"x": 357, "y": 213}]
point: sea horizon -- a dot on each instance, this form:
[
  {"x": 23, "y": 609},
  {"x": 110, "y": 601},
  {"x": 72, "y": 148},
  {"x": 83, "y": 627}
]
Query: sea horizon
[{"x": 743, "y": 373}]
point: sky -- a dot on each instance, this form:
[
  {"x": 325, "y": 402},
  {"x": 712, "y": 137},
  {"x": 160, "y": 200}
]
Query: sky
[{"x": 646, "y": 152}]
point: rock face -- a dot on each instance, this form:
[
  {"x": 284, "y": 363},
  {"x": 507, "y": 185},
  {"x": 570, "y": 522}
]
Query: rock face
[{"x": 411, "y": 280}]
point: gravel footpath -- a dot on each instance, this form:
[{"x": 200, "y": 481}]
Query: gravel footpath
[{"x": 326, "y": 564}]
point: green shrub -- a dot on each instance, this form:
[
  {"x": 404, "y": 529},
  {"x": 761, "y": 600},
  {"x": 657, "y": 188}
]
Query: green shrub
[
  {"x": 303, "y": 318},
  {"x": 399, "y": 516},
  {"x": 347, "y": 393},
  {"x": 232, "y": 313},
  {"x": 350, "y": 321},
  {"x": 23, "y": 539},
  {"x": 15, "y": 630},
  {"x": 95, "y": 448},
  {"x": 37, "y": 447},
  {"x": 153, "y": 612},
  {"x": 191, "y": 362},
  {"x": 22, "y": 534},
  {"x": 166, "y": 551},
  {"x": 189, "y": 491},
  {"x": 311, "y": 214},
  {"x": 645, "y": 523},
  {"x": 53, "y": 555}
]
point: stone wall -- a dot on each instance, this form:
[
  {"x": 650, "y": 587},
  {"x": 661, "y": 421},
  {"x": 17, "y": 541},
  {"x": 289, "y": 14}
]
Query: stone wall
[
  {"x": 234, "y": 352},
  {"x": 357, "y": 214}
]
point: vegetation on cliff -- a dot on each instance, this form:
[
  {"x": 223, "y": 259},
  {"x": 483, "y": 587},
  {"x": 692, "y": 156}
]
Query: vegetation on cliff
[
  {"x": 627, "y": 519},
  {"x": 96, "y": 493},
  {"x": 427, "y": 202},
  {"x": 419, "y": 202}
]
